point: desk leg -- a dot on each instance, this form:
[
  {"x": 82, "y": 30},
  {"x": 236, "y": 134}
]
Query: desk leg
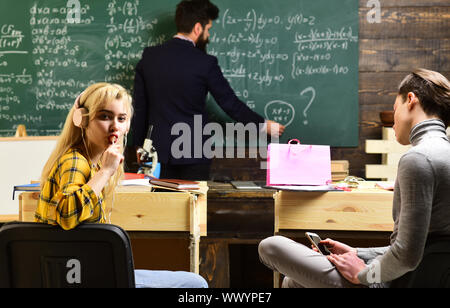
[
  {"x": 195, "y": 235},
  {"x": 195, "y": 253}
]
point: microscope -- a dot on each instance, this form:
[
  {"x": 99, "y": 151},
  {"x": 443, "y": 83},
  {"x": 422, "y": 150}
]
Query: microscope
[{"x": 147, "y": 156}]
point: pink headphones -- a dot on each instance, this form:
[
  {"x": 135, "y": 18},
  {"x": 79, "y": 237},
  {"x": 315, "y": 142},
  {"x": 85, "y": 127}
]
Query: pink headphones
[{"x": 80, "y": 114}]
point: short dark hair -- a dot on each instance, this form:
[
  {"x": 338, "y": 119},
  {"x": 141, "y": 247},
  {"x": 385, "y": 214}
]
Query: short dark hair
[
  {"x": 433, "y": 91},
  {"x": 190, "y": 12}
]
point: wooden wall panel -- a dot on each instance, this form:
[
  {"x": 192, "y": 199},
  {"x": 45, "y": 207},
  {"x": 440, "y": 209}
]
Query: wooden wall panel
[
  {"x": 401, "y": 22},
  {"x": 401, "y": 55},
  {"x": 407, "y": 3}
]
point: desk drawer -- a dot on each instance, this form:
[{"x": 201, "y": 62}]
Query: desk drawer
[{"x": 352, "y": 211}]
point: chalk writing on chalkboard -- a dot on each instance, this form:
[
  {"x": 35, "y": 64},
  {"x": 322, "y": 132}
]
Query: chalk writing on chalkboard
[
  {"x": 295, "y": 63},
  {"x": 286, "y": 63}
]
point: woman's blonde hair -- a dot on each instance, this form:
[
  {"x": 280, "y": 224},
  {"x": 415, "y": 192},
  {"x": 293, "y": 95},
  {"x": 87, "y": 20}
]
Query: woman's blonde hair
[{"x": 94, "y": 98}]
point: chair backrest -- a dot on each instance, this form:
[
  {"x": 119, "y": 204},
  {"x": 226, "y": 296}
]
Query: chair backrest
[
  {"x": 39, "y": 255},
  {"x": 432, "y": 272}
]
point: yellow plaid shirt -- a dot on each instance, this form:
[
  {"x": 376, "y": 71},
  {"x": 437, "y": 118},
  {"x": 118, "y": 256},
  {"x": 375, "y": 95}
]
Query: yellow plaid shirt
[{"x": 65, "y": 198}]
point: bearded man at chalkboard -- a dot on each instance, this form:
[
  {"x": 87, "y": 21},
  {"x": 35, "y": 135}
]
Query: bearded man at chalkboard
[{"x": 171, "y": 84}]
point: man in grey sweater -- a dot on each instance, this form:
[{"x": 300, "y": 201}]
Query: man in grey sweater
[{"x": 421, "y": 207}]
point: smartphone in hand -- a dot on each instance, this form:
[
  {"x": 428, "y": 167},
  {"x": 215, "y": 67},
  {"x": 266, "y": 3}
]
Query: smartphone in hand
[{"x": 315, "y": 241}]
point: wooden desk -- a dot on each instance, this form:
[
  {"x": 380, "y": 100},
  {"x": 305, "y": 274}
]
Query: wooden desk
[
  {"x": 239, "y": 219},
  {"x": 8, "y": 218},
  {"x": 363, "y": 209},
  {"x": 139, "y": 211}
]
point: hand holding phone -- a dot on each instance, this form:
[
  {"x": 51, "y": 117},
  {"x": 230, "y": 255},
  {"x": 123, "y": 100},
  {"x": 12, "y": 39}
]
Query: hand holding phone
[{"x": 315, "y": 241}]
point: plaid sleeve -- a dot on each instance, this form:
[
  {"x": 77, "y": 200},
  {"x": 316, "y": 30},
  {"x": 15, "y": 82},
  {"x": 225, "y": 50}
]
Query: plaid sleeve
[{"x": 72, "y": 200}]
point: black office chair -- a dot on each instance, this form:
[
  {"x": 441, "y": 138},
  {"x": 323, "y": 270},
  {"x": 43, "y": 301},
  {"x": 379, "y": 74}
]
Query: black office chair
[
  {"x": 39, "y": 255},
  {"x": 432, "y": 272}
]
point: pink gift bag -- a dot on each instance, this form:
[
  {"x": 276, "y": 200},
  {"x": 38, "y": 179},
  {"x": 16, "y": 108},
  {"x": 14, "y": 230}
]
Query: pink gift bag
[{"x": 298, "y": 164}]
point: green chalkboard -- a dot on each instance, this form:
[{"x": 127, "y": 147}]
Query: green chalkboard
[{"x": 292, "y": 61}]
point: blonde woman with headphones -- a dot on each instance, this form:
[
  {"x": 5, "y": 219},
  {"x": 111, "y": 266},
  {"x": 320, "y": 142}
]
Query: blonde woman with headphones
[{"x": 86, "y": 166}]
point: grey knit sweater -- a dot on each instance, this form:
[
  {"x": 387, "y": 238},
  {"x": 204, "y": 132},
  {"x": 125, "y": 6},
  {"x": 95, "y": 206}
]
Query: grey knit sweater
[{"x": 421, "y": 206}]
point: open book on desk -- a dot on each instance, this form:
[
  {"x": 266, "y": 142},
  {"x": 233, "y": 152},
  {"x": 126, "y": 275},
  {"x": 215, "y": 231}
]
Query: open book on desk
[
  {"x": 201, "y": 190},
  {"x": 176, "y": 184}
]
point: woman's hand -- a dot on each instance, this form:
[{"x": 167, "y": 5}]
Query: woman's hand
[
  {"x": 348, "y": 264},
  {"x": 335, "y": 247},
  {"x": 112, "y": 158}
]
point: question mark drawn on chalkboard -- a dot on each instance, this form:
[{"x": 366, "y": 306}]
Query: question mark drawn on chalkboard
[{"x": 313, "y": 96}]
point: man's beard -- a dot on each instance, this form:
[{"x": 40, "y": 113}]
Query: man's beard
[{"x": 201, "y": 43}]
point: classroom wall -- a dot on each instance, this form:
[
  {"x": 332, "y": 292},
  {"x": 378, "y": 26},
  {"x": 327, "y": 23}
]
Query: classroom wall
[
  {"x": 411, "y": 34},
  {"x": 21, "y": 161}
]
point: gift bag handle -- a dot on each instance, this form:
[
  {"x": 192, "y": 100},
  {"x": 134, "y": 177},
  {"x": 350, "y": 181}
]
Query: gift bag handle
[{"x": 294, "y": 152}]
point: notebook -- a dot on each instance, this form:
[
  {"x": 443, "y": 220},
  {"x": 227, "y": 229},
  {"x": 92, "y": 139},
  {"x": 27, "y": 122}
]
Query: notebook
[
  {"x": 245, "y": 185},
  {"x": 26, "y": 187}
]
